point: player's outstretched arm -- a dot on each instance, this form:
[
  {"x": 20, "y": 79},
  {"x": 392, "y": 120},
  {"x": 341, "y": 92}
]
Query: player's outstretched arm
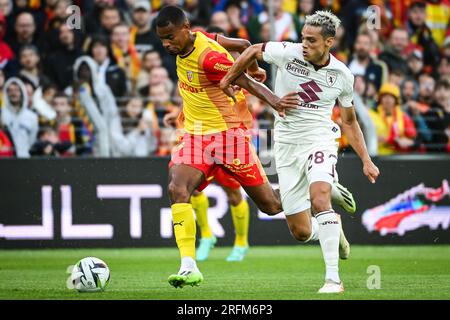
[
  {"x": 240, "y": 45},
  {"x": 289, "y": 101},
  {"x": 242, "y": 64},
  {"x": 355, "y": 137}
]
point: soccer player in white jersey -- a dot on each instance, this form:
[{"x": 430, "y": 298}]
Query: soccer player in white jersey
[{"x": 305, "y": 137}]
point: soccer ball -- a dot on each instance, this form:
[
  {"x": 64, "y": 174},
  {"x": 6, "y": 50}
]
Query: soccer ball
[{"x": 90, "y": 275}]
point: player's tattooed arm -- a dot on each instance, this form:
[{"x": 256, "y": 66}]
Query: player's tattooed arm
[
  {"x": 355, "y": 137},
  {"x": 242, "y": 64},
  {"x": 259, "y": 90},
  {"x": 239, "y": 46}
]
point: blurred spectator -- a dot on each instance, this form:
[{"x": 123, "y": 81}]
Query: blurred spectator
[
  {"x": 59, "y": 64},
  {"x": 198, "y": 11},
  {"x": 139, "y": 129},
  {"x": 125, "y": 54},
  {"x": 362, "y": 111},
  {"x": 69, "y": 128},
  {"x": 438, "y": 117},
  {"x": 132, "y": 61},
  {"x": 48, "y": 144},
  {"x": 109, "y": 72},
  {"x": 57, "y": 14},
  {"x": 426, "y": 89},
  {"x": 396, "y": 77},
  {"x": 29, "y": 59},
  {"x": 415, "y": 62},
  {"x": 110, "y": 17},
  {"x": 305, "y": 8},
  {"x": 158, "y": 75},
  {"x": 237, "y": 29},
  {"x": 6, "y": 8},
  {"x": 25, "y": 33},
  {"x": 220, "y": 19},
  {"x": 41, "y": 103},
  {"x": 21, "y": 123},
  {"x": 161, "y": 105},
  {"x": 142, "y": 36},
  {"x": 370, "y": 96},
  {"x": 35, "y": 7},
  {"x": 98, "y": 101},
  {"x": 394, "y": 51},
  {"x": 420, "y": 34},
  {"x": 377, "y": 44},
  {"x": 6, "y": 54},
  {"x": 363, "y": 64},
  {"x": 339, "y": 50},
  {"x": 145, "y": 39},
  {"x": 98, "y": 20},
  {"x": 150, "y": 60},
  {"x": 265, "y": 37},
  {"x": 249, "y": 8},
  {"x": 395, "y": 129},
  {"x": 92, "y": 103},
  {"x": 160, "y": 100},
  {"x": 354, "y": 13},
  {"x": 444, "y": 66},
  {"x": 287, "y": 26},
  {"x": 410, "y": 93}
]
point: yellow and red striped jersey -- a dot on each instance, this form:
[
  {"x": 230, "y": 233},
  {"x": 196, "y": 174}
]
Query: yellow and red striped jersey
[{"x": 206, "y": 108}]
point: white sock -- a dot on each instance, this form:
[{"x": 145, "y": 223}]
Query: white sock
[
  {"x": 314, "y": 230},
  {"x": 329, "y": 231},
  {"x": 188, "y": 263}
]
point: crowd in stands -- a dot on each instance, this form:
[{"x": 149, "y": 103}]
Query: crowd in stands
[{"x": 101, "y": 84}]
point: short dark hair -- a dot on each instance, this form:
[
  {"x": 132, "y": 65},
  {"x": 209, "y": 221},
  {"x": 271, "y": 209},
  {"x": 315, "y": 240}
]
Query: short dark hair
[
  {"x": 149, "y": 52},
  {"x": 216, "y": 29},
  {"x": 418, "y": 3},
  {"x": 170, "y": 15},
  {"x": 61, "y": 94},
  {"x": 443, "y": 83},
  {"x": 45, "y": 129},
  {"x": 31, "y": 47}
]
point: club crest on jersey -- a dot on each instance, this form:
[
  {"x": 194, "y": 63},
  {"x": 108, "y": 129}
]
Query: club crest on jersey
[
  {"x": 331, "y": 78},
  {"x": 190, "y": 75}
]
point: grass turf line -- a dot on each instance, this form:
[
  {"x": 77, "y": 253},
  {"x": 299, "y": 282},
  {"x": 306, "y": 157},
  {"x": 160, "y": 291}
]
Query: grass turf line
[{"x": 289, "y": 272}]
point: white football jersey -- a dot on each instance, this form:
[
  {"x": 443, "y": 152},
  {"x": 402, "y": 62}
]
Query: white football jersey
[{"x": 318, "y": 89}]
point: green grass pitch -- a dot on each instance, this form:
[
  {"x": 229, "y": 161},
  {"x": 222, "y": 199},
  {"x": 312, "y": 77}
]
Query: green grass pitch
[{"x": 294, "y": 272}]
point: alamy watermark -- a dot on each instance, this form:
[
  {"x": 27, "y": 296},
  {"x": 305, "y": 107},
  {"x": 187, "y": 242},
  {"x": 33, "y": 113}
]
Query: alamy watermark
[
  {"x": 374, "y": 279},
  {"x": 373, "y": 16},
  {"x": 74, "y": 19}
]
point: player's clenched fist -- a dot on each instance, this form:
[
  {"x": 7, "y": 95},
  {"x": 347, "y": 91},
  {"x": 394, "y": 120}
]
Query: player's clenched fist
[{"x": 371, "y": 170}]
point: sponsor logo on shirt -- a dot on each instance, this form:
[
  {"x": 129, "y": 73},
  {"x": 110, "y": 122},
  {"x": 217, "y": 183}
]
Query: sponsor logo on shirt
[
  {"x": 184, "y": 86},
  {"x": 300, "y": 62},
  {"x": 296, "y": 70},
  {"x": 221, "y": 67},
  {"x": 308, "y": 106}
]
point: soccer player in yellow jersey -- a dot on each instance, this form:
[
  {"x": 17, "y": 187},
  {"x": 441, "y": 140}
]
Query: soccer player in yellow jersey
[{"x": 216, "y": 132}]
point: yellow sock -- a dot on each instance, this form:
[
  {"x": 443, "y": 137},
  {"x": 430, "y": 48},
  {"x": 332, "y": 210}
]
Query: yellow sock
[
  {"x": 241, "y": 217},
  {"x": 184, "y": 228},
  {"x": 200, "y": 204}
]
